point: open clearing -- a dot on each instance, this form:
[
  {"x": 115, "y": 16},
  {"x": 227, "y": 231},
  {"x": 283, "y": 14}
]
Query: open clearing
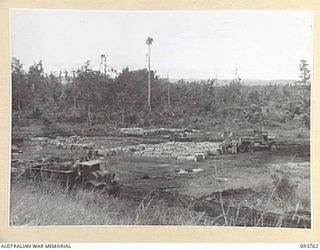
[{"x": 246, "y": 187}]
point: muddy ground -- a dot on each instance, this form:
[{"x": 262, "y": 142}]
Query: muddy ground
[{"x": 264, "y": 181}]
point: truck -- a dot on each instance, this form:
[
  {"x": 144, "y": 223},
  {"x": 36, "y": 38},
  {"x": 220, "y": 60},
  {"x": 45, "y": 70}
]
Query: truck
[
  {"x": 86, "y": 175},
  {"x": 250, "y": 140}
]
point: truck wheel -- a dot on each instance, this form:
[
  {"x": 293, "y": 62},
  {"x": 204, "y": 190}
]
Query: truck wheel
[
  {"x": 273, "y": 147},
  {"x": 250, "y": 147},
  {"x": 243, "y": 148}
]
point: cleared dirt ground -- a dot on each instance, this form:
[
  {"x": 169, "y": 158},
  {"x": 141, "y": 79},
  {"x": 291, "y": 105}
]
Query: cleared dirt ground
[{"x": 262, "y": 183}]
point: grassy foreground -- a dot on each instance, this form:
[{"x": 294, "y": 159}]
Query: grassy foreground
[{"x": 36, "y": 207}]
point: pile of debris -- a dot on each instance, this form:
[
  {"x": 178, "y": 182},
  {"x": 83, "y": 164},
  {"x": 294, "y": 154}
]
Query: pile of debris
[
  {"x": 181, "y": 151},
  {"x": 132, "y": 131},
  {"x": 119, "y": 150},
  {"x": 74, "y": 142},
  {"x": 71, "y": 142},
  {"x": 146, "y": 132},
  {"x": 41, "y": 140}
]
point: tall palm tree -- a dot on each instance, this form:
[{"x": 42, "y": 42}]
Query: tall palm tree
[{"x": 149, "y": 42}]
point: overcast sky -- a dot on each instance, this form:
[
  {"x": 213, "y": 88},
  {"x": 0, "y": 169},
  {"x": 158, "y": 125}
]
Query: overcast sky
[{"x": 264, "y": 45}]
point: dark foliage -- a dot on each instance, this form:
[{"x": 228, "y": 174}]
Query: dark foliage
[{"x": 88, "y": 96}]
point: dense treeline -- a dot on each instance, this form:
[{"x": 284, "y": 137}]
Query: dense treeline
[{"x": 87, "y": 96}]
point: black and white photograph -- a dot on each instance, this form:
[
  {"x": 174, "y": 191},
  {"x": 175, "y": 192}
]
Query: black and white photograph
[{"x": 160, "y": 118}]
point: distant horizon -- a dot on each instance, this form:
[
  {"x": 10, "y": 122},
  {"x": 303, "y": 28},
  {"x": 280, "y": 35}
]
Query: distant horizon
[
  {"x": 242, "y": 79},
  {"x": 56, "y": 73}
]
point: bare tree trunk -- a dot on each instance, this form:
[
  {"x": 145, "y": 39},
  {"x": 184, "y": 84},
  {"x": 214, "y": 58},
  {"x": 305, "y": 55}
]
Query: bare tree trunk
[
  {"x": 74, "y": 110},
  {"x": 89, "y": 116},
  {"x": 168, "y": 89},
  {"x": 19, "y": 99},
  {"x": 19, "y": 107},
  {"x": 123, "y": 117},
  {"x": 149, "y": 80}
]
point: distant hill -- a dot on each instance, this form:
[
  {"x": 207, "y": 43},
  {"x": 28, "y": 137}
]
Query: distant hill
[
  {"x": 252, "y": 82},
  {"x": 249, "y": 82}
]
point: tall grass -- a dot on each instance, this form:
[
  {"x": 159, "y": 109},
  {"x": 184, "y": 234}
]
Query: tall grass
[
  {"x": 50, "y": 205},
  {"x": 36, "y": 207}
]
